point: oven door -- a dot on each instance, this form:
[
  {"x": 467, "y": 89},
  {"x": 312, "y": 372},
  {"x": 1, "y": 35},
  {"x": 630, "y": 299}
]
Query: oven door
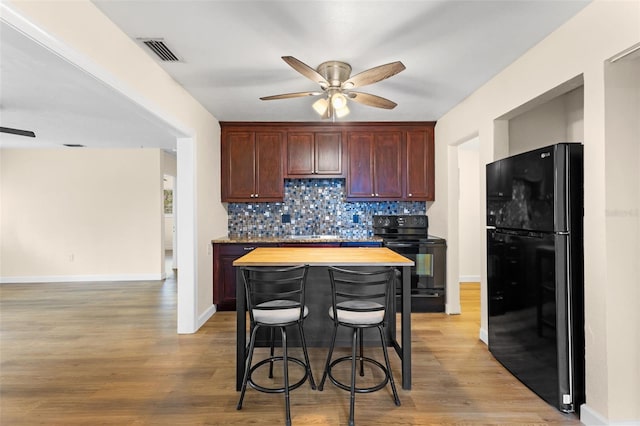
[{"x": 428, "y": 274}]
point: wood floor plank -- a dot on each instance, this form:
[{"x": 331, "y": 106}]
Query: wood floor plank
[{"x": 108, "y": 353}]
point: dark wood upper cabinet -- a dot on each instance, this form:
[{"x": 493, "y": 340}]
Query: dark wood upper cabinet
[
  {"x": 387, "y": 165},
  {"x": 360, "y": 165},
  {"x": 419, "y": 165},
  {"x": 269, "y": 175},
  {"x": 381, "y": 161},
  {"x": 374, "y": 165},
  {"x": 252, "y": 166},
  {"x": 314, "y": 154}
]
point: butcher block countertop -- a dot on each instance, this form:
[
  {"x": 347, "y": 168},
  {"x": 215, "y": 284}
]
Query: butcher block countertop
[{"x": 322, "y": 256}]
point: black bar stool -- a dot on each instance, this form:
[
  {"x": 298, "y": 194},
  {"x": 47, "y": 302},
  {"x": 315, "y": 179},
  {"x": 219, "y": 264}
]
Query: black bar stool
[
  {"x": 359, "y": 301},
  {"x": 275, "y": 299}
]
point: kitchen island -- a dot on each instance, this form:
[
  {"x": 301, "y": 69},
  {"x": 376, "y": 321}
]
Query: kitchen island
[{"x": 319, "y": 292}]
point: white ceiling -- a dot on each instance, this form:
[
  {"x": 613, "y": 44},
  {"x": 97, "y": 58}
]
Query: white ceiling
[{"x": 231, "y": 56}]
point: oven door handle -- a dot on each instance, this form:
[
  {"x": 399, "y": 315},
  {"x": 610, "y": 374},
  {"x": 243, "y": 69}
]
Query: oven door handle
[{"x": 400, "y": 244}]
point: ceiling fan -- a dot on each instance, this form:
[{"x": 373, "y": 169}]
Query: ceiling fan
[{"x": 334, "y": 78}]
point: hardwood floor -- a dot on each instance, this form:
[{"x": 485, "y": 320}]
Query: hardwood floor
[{"x": 108, "y": 353}]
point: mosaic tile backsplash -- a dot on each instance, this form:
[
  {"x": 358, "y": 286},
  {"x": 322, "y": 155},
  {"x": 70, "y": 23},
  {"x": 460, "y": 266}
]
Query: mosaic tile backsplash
[{"x": 313, "y": 206}]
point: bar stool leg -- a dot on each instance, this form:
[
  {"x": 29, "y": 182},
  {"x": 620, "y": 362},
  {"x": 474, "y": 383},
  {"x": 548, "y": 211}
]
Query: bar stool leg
[
  {"x": 329, "y": 355},
  {"x": 247, "y": 367},
  {"x": 272, "y": 336},
  {"x": 306, "y": 358},
  {"x": 354, "y": 362},
  {"x": 361, "y": 353},
  {"x": 285, "y": 367},
  {"x": 396, "y": 399}
]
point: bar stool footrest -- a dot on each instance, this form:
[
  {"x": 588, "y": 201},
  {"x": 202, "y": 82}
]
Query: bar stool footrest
[
  {"x": 368, "y": 360},
  {"x": 280, "y": 389}
]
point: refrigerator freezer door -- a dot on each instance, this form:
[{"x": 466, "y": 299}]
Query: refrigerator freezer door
[{"x": 534, "y": 191}]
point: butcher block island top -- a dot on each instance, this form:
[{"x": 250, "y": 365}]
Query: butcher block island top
[{"x": 322, "y": 256}]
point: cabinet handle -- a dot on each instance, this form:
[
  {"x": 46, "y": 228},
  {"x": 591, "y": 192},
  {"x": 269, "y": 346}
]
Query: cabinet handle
[
  {"x": 373, "y": 195},
  {"x": 247, "y": 248},
  {"x": 410, "y": 195},
  {"x": 377, "y": 195}
]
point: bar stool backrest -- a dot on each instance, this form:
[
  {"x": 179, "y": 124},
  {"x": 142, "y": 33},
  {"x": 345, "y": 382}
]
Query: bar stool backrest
[
  {"x": 272, "y": 291},
  {"x": 360, "y": 297}
]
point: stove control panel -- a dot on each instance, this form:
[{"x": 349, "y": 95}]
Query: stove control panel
[{"x": 400, "y": 221}]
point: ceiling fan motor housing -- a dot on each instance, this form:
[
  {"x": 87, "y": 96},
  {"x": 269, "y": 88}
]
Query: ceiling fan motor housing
[{"x": 335, "y": 72}]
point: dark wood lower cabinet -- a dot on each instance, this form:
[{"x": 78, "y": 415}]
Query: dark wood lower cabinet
[{"x": 224, "y": 274}]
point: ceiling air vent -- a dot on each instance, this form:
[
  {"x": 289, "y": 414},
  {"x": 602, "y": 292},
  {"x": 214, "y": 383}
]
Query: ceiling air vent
[{"x": 158, "y": 47}]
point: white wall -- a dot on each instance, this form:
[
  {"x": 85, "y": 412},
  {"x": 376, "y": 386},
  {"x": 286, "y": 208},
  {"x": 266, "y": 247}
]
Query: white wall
[
  {"x": 622, "y": 172},
  {"x": 559, "y": 120},
  {"x": 94, "y": 42},
  {"x": 580, "y": 48},
  {"x": 80, "y": 214},
  {"x": 469, "y": 217}
]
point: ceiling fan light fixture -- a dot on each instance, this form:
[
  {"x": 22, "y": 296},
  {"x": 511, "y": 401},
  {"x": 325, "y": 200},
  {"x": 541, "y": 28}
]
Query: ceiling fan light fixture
[
  {"x": 341, "y": 112},
  {"x": 338, "y": 100},
  {"x": 320, "y": 106}
]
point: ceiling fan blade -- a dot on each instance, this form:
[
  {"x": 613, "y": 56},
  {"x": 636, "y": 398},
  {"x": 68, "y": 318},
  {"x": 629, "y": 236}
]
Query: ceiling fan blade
[
  {"x": 373, "y": 75},
  {"x": 306, "y": 70},
  {"x": 18, "y": 132},
  {"x": 371, "y": 100},
  {"x": 291, "y": 95}
]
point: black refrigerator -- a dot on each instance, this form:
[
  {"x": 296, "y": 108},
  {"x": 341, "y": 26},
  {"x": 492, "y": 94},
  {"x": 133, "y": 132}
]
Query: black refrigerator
[{"x": 535, "y": 270}]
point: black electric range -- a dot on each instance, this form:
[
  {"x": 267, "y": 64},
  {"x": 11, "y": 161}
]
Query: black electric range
[{"x": 409, "y": 236}]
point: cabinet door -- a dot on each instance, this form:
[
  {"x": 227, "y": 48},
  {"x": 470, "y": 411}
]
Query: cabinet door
[
  {"x": 269, "y": 173},
  {"x": 238, "y": 166},
  {"x": 328, "y": 153},
  {"x": 300, "y": 153},
  {"x": 419, "y": 165},
  {"x": 387, "y": 165},
  {"x": 360, "y": 166},
  {"x": 224, "y": 273},
  {"x": 314, "y": 154},
  {"x": 226, "y": 290}
]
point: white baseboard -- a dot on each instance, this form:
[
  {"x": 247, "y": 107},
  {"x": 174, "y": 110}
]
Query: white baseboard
[
  {"x": 590, "y": 417},
  {"x": 452, "y": 308},
  {"x": 204, "y": 317},
  {"x": 484, "y": 336},
  {"x": 80, "y": 278},
  {"x": 469, "y": 279}
]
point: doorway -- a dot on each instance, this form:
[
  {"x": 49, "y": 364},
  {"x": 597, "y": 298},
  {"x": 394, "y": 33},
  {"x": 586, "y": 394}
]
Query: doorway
[
  {"x": 469, "y": 217},
  {"x": 169, "y": 225}
]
